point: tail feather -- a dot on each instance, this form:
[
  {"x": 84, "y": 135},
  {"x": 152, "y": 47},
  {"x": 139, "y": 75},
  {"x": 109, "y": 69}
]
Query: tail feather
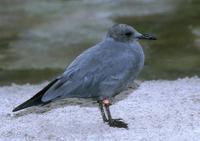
[{"x": 36, "y": 99}]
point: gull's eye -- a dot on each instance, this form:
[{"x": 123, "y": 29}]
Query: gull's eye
[{"x": 128, "y": 34}]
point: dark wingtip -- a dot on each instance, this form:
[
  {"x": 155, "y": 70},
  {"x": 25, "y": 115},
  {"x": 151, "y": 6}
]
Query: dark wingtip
[
  {"x": 15, "y": 109},
  {"x": 20, "y": 107},
  {"x": 36, "y": 99}
]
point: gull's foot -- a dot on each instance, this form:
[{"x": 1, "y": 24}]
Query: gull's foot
[{"x": 118, "y": 123}]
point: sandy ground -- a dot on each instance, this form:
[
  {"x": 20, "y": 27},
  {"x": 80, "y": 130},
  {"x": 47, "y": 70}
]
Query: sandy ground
[{"x": 156, "y": 111}]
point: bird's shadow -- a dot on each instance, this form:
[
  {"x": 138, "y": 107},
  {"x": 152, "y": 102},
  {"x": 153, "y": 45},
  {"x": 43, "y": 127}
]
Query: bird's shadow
[{"x": 74, "y": 101}]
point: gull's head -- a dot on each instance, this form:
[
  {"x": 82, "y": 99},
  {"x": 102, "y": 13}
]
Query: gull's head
[{"x": 126, "y": 33}]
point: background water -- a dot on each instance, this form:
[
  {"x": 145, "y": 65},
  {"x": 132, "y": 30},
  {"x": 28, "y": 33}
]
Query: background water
[{"x": 39, "y": 38}]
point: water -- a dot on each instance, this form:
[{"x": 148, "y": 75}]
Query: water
[{"x": 39, "y": 39}]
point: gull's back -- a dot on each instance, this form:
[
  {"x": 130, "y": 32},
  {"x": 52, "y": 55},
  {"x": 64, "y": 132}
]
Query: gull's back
[{"x": 101, "y": 71}]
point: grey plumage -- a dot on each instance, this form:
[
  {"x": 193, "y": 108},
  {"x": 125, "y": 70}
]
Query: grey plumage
[{"x": 101, "y": 71}]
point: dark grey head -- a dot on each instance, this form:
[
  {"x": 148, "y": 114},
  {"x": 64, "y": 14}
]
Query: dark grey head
[{"x": 126, "y": 33}]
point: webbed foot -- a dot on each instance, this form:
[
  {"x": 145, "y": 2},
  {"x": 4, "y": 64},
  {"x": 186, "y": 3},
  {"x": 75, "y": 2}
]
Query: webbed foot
[{"x": 118, "y": 123}]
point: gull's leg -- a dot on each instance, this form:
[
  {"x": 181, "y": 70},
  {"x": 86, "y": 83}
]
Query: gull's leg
[
  {"x": 101, "y": 107},
  {"x": 113, "y": 122}
]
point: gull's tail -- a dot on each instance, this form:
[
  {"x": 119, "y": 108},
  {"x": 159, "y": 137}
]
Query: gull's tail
[{"x": 36, "y": 99}]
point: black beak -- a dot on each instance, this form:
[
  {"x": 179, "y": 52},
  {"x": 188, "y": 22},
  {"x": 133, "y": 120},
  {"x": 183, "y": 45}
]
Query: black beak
[{"x": 147, "y": 37}]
